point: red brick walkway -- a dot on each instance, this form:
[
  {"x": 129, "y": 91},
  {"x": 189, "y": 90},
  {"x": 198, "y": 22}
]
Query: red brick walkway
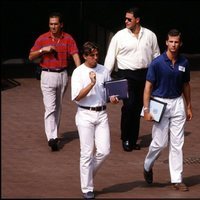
[{"x": 31, "y": 170}]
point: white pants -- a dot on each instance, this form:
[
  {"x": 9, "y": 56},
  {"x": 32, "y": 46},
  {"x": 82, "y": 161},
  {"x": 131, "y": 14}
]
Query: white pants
[
  {"x": 93, "y": 131},
  {"x": 169, "y": 130},
  {"x": 53, "y": 86}
]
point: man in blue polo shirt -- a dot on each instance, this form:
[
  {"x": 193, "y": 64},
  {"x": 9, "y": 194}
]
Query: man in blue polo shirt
[{"x": 167, "y": 79}]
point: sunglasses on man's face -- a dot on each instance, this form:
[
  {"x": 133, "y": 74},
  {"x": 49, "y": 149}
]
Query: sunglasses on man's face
[{"x": 129, "y": 19}]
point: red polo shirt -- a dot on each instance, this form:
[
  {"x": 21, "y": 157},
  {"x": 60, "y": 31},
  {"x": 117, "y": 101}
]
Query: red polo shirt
[{"x": 65, "y": 47}]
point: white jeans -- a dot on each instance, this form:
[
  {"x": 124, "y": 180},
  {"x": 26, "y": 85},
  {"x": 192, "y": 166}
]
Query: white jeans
[
  {"x": 93, "y": 131},
  {"x": 53, "y": 86},
  {"x": 169, "y": 130}
]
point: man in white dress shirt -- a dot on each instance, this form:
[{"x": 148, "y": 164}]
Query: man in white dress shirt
[{"x": 132, "y": 49}]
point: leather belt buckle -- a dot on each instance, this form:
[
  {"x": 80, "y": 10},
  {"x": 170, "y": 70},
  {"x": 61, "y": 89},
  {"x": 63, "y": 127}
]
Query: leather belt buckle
[
  {"x": 97, "y": 109},
  {"x": 100, "y": 108}
]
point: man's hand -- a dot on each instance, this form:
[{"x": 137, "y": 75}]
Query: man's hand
[
  {"x": 92, "y": 76},
  {"x": 114, "y": 99},
  {"x": 48, "y": 49},
  {"x": 148, "y": 116}
]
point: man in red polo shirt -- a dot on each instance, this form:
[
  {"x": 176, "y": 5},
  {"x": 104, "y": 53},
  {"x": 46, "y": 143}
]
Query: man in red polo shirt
[{"x": 54, "y": 49}]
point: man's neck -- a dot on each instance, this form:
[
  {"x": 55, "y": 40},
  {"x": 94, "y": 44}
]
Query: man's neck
[
  {"x": 172, "y": 56},
  {"x": 136, "y": 30},
  {"x": 56, "y": 35}
]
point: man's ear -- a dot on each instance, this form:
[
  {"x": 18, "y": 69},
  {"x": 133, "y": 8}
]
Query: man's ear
[
  {"x": 181, "y": 44},
  {"x": 137, "y": 20},
  {"x": 84, "y": 56}
]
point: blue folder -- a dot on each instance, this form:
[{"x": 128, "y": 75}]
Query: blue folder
[{"x": 118, "y": 88}]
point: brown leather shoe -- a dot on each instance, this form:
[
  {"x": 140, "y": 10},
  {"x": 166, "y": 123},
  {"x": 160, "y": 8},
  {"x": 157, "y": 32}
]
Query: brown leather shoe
[{"x": 180, "y": 186}]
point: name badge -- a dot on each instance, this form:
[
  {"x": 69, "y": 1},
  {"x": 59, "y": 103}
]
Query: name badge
[{"x": 181, "y": 68}]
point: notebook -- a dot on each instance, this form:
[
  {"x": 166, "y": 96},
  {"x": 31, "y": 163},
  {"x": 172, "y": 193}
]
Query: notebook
[{"x": 118, "y": 88}]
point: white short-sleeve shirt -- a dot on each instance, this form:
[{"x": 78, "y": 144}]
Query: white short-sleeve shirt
[{"x": 80, "y": 79}]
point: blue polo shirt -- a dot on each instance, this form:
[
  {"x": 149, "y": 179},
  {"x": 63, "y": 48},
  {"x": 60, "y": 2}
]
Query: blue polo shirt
[{"x": 167, "y": 79}]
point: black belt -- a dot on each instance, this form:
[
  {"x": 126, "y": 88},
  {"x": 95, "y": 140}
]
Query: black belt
[
  {"x": 99, "y": 108},
  {"x": 54, "y": 70}
]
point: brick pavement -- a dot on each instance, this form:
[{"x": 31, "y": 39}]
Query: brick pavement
[{"x": 30, "y": 170}]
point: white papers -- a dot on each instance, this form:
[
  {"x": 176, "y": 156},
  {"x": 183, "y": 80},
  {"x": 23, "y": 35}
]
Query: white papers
[{"x": 157, "y": 109}]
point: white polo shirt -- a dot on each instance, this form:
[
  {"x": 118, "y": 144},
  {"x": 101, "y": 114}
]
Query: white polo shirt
[{"x": 80, "y": 79}]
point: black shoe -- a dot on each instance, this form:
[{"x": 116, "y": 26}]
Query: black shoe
[
  {"x": 126, "y": 146},
  {"x": 53, "y": 143},
  {"x": 148, "y": 176},
  {"x": 136, "y": 147},
  {"x": 88, "y": 195}
]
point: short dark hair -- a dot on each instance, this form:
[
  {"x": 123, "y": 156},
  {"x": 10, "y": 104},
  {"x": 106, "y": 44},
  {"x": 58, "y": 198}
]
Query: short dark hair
[
  {"x": 56, "y": 14},
  {"x": 88, "y": 47},
  {"x": 174, "y": 32},
  {"x": 135, "y": 11}
]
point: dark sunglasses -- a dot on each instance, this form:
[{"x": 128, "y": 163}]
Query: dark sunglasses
[{"x": 129, "y": 20}]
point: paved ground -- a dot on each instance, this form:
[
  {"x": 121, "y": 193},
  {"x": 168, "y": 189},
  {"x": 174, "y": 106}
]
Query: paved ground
[{"x": 31, "y": 170}]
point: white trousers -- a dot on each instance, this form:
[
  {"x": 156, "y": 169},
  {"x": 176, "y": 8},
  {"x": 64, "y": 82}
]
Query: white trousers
[
  {"x": 53, "y": 86},
  {"x": 170, "y": 131},
  {"x": 93, "y": 132}
]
